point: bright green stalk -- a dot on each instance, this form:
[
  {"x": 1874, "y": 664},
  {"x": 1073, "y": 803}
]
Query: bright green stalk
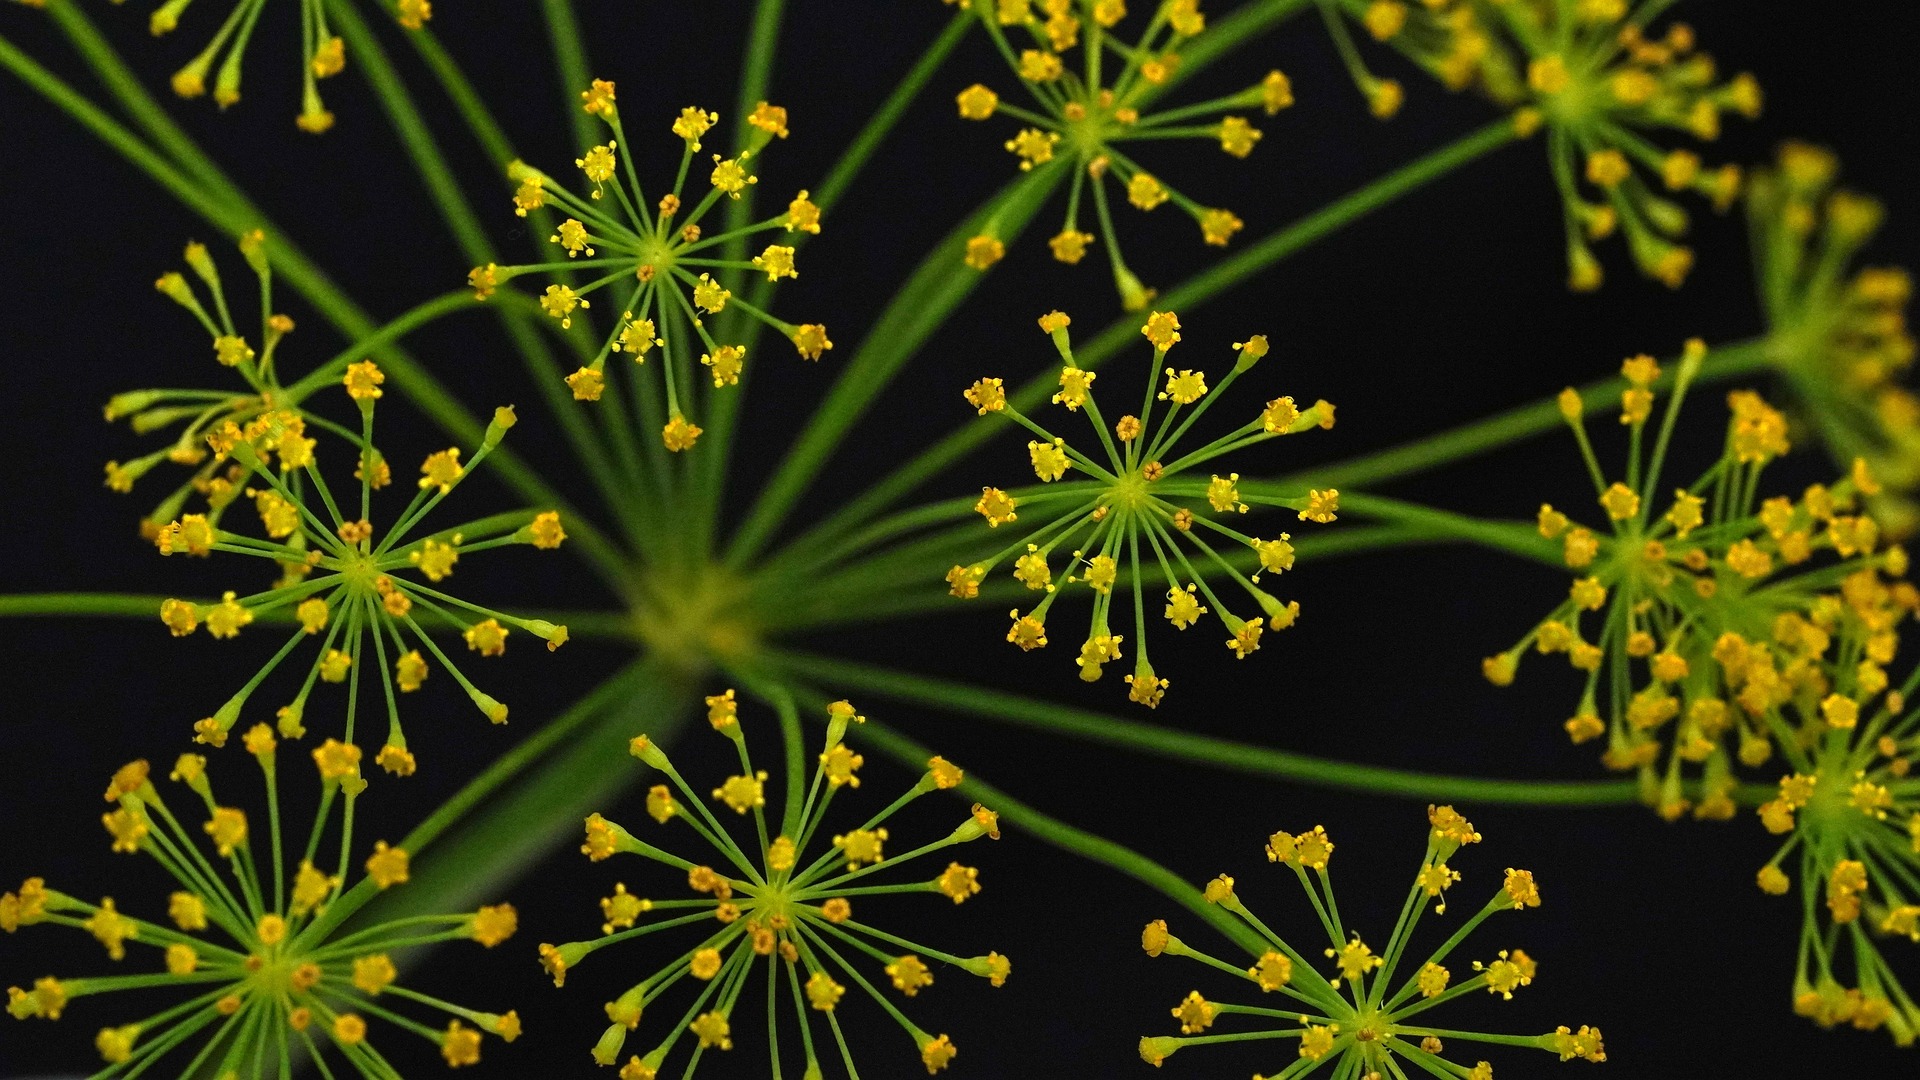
[
  {"x": 1536, "y": 418},
  {"x": 1193, "y": 292},
  {"x": 570, "y": 63},
  {"x": 1513, "y": 537},
  {"x": 756, "y": 75},
  {"x": 1015, "y": 814},
  {"x": 920, "y": 308},
  {"x": 294, "y": 267},
  {"x": 531, "y": 798},
  {"x": 1202, "y": 749}
]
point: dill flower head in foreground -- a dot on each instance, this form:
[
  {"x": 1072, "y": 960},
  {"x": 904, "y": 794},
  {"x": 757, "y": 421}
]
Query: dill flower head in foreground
[
  {"x": 773, "y": 899},
  {"x": 1850, "y": 812},
  {"x": 199, "y": 413},
  {"x": 1138, "y": 488},
  {"x": 1838, "y": 336},
  {"x": 1088, "y": 104},
  {"x": 323, "y": 53},
  {"x": 669, "y": 266},
  {"x": 1361, "y": 1022},
  {"x": 1590, "y": 71},
  {"x": 345, "y": 587},
  {"x": 1746, "y": 641},
  {"x": 258, "y": 965}
]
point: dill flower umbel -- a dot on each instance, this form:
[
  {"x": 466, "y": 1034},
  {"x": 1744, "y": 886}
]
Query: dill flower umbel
[
  {"x": 346, "y": 587},
  {"x": 1087, "y": 105},
  {"x": 1850, "y": 815},
  {"x": 673, "y": 277},
  {"x": 256, "y": 960},
  {"x": 1364, "y": 1020},
  {"x": 1600, "y": 82},
  {"x": 1719, "y": 635},
  {"x": 198, "y": 412},
  {"x": 1136, "y": 489},
  {"x": 788, "y": 900},
  {"x": 1838, "y": 336},
  {"x": 323, "y": 53}
]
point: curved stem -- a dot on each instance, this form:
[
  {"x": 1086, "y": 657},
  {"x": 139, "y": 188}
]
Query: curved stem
[
  {"x": 1016, "y": 814},
  {"x": 1226, "y": 754}
]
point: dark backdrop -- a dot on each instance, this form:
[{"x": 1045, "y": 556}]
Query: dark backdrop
[{"x": 1439, "y": 309}]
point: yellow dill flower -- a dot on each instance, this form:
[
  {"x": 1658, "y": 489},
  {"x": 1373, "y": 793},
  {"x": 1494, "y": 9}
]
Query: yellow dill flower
[
  {"x": 664, "y": 268},
  {"x": 1739, "y": 633},
  {"x": 1140, "y": 491},
  {"x": 355, "y": 596},
  {"x": 1367, "y": 1015},
  {"x": 242, "y": 950},
  {"x": 775, "y": 896},
  {"x": 1596, "y": 77},
  {"x": 1085, "y": 121},
  {"x": 1849, "y": 822},
  {"x": 262, "y": 410},
  {"x": 1836, "y": 334}
]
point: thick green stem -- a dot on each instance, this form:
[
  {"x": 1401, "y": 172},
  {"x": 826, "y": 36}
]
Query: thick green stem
[
  {"x": 1513, "y": 537},
  {"x": 1226, "y": 754}
]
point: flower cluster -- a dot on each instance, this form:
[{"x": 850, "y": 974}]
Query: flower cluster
[
  {"x": 1850, "y": 815},
  {"x": 1592, "y": 73},
  {"x": 1361, "y": 1022},
  {"x": 664, "y": 257},
  {"x": 323, "y": 53},
  {"x": 343, "y": 587},
  {"x": 1720, "y": 635},
  {"x": 200, "y": 412},
  {"x": 1838, "y": 338},
  {"x": 1139, "y": 489},
  {"x": 261, "y": 973},
  {"x": 773, "y": 899},
  {"x": 1085, "y": 111}
]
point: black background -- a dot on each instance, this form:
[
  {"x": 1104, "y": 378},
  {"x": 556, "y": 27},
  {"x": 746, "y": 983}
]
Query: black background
[{"x": 1444, "y": 307}]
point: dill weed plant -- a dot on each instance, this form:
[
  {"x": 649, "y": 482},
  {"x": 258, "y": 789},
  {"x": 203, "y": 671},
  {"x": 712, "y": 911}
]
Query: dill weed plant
[
  {"x": 254, "y": 950},
  {"x": 691, "y": 603},
  {"x": 1366, "y": 1019},
  {"x": 1139, "y": 488},
  {"x": 650, "y": 253},
  {"x": 1089, "y": 103},
  {"x": 345, "y": 589},
  {"x": 773, "y": 900}
]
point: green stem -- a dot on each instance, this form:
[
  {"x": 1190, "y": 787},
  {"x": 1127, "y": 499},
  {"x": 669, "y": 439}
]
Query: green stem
[
  {"x": 921, "y": 306},
  {"x": 1015, "y": 814},
  {"x": 570, "y": 63},
  {"x": 1513, "y": 537},
  {"x": 1725, "y": 362},
  {"x": 1202, "y": 749}
]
